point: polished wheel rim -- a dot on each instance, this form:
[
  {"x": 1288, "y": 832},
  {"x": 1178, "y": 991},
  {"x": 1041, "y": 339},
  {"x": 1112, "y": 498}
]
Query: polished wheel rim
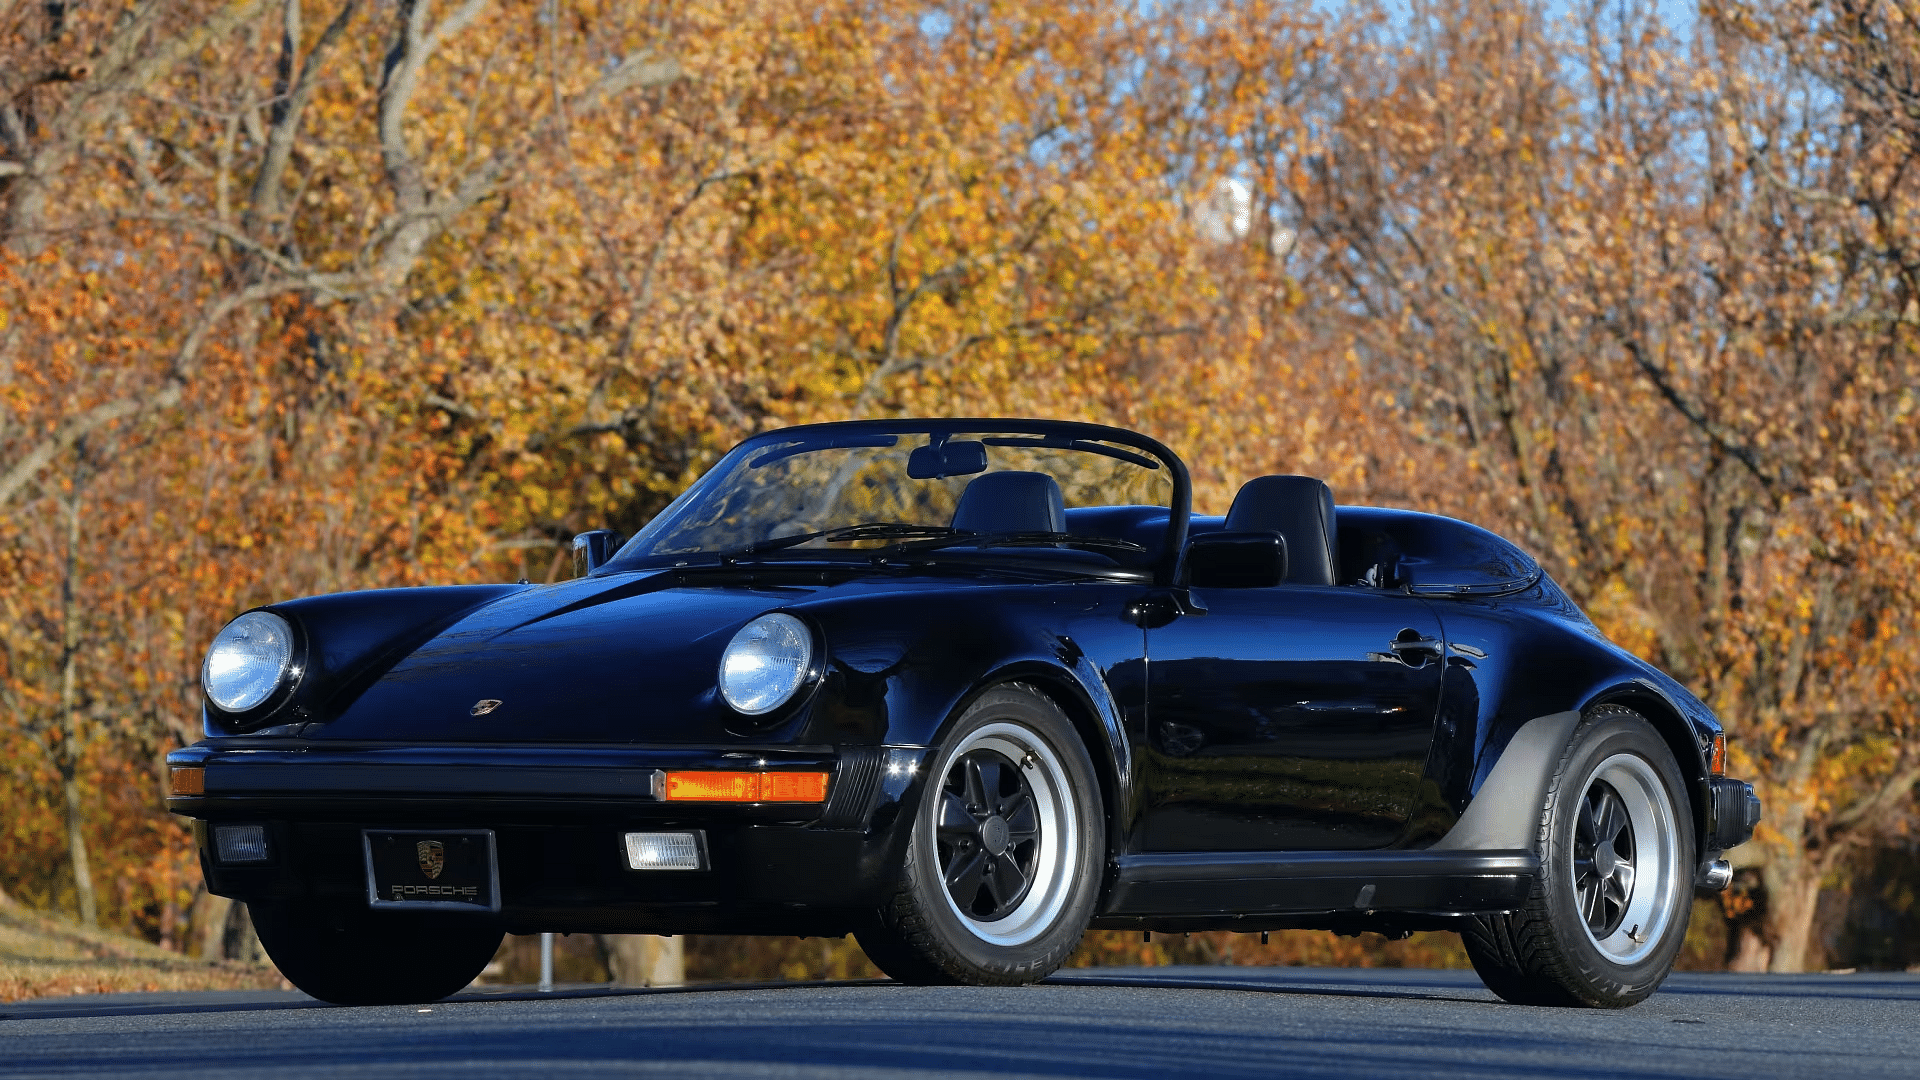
[
  {"x": 1625, "y": 858},
  {"x": 1001, "y": 832}
]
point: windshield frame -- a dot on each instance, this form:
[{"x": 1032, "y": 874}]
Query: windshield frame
[{"x": 1166, "y": 571}]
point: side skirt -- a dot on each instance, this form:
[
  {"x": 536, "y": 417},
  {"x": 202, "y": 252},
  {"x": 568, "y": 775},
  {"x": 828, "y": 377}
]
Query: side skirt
[{"x": 1239, "y": 888}]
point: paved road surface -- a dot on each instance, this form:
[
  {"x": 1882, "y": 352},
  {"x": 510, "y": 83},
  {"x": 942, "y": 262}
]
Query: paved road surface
[{"x": 1149, "y": 1023}]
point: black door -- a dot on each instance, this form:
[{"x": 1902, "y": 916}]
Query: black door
[{"x": 1291, "y": 718}]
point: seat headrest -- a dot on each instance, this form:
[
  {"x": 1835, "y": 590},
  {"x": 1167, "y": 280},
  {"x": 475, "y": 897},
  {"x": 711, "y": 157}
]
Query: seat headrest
[
  {"x": 1011, "y": 502},
  {"x": 1299, "y": 508}
]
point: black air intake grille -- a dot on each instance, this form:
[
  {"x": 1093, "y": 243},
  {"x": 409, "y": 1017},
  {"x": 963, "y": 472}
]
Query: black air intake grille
[{"x": 854, "y": 785}]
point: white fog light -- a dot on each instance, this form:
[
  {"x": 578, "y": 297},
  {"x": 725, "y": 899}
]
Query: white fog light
[
  {"x": 240, "y": 843},
  {"x": 665, "y": 851}
]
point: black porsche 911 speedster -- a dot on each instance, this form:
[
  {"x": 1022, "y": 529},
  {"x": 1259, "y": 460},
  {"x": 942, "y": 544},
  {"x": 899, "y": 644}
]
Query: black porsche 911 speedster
[{"x": 964, "y": 688}]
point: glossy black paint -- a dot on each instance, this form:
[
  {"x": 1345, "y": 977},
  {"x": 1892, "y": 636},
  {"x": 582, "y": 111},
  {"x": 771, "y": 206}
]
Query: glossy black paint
[
  {"x": 1270, "y": 756},
  {"x": 1286, "y": 719},
  {"x": 347, "y": 641}
]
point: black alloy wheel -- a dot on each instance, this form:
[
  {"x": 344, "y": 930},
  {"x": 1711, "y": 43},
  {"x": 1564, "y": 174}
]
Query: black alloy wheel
[
  {"x": 1005, "y": 852},
  {"x": 1603, "y": 851},
  {"x": 988, "y": 836}
]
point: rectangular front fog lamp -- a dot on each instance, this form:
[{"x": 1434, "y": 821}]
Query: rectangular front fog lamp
[
  {"x": 240, "y": 843},
  {"x": 665, "y": 851}
]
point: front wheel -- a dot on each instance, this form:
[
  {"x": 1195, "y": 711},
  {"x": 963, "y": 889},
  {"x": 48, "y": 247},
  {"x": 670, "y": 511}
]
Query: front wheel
[
  {"x": 1005, "y": 855},
  {"x": 1609, "y": 912},
  {"x": 349, "y": 955}
]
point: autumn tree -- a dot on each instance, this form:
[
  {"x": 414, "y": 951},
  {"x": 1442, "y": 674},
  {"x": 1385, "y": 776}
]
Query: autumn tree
[
  {"x": 336, "y": 295},
  {"x": 308, "y": 295},
  {"x": 1619, "y": 297}
]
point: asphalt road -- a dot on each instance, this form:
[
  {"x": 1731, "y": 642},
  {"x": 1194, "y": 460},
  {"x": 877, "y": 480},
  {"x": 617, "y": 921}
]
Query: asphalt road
[{"x": 1143, "y": 1022}]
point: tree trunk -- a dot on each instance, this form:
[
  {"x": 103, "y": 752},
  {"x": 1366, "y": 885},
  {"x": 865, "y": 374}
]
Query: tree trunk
[
  {"x": 645, "y": 960},
  {"x": 77, "y": 854},
  {"x": 239, "y": 942},
  {"x": 1750, "y": 951},
  {"x": 1793, "y": 895},
  {"x": 210, "y": 924},
  {"x": 70, "y": 741}
]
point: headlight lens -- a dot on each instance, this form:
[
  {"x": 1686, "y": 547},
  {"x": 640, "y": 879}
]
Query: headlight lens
[
  {"x": 765, "y": 663},
  {"x": 248, "y": 661}
]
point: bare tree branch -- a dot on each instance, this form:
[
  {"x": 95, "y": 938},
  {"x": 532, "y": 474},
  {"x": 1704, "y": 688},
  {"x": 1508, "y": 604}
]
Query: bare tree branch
[
  {"x": 293, "y": 92},
  {"x": 171, "y": 392},
  {"x": 124, "y": 65}
]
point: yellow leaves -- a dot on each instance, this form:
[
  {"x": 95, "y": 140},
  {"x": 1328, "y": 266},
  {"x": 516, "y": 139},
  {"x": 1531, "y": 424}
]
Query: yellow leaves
[{"x": 832, "y": 215}]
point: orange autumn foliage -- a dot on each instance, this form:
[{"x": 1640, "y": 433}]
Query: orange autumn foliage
[{"x": 309, "y": 295}]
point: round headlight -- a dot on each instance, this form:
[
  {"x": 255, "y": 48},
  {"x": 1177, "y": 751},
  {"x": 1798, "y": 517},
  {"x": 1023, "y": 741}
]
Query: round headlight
[
  {"x": 765, "y": 663},
  {"x": 248, "y": 661}
]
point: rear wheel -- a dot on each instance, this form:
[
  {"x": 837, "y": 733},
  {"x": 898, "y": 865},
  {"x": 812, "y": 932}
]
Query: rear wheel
[
  {"x": 1005, "y": 855},
  {"x": 352, "y": 956},
  {"x": 1609, "y": 912}
]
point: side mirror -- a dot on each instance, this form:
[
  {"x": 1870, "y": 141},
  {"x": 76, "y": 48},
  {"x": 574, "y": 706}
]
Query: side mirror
[
  {"x": 1237, "y": 560},
  {"x": 591, "y": 549}
]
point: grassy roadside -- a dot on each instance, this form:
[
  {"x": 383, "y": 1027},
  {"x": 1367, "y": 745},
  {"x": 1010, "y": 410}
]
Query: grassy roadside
[{"x": 44, "y": 955}]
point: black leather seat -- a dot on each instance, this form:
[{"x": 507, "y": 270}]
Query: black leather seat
[
  {"x": 1299, "y": 508},
  {"x": 1005, "y": 502}
]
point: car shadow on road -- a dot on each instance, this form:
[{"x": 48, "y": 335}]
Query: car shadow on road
[
  {"x": 187, "y": 1002},
  {"x": 1267, "y": 982},
  {"x": 1460, "y": 987},
  {"x": 1319, "y": 984}
]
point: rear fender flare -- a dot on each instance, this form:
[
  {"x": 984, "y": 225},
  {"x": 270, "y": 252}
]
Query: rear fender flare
[{"x": 1505, "y": 813}]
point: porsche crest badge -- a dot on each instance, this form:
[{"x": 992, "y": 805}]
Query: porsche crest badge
[
  {"x": 433, "y": 857},
  {"x": 484, "y": 706}
]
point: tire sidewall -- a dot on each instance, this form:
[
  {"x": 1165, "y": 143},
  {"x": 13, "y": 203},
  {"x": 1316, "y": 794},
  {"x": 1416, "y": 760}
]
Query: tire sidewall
[
  {"x": 1608, "y": 981},
  {"x": 1083, "y": 854}
]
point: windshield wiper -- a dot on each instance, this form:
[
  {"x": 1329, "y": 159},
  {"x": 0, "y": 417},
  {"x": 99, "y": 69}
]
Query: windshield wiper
[
  {"x": 872, "y": 530},
  {"x": 1019, "y": 539}
]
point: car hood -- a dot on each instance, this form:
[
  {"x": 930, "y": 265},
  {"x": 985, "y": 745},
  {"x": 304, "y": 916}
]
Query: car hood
[{"x": 629, "y": 658}]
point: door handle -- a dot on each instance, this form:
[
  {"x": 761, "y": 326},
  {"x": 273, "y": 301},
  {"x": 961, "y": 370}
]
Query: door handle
[
  {"x": 1403, "y": 645},
  {"x": 1162, "y": 606}
]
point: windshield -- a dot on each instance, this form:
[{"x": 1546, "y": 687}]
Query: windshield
[{"x": 1082, "y": 494}]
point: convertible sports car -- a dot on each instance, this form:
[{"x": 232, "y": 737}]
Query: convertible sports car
[{"x": 964, "y": 688}]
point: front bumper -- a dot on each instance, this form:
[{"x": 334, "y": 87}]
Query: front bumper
[{"x": 559, "y": 815}]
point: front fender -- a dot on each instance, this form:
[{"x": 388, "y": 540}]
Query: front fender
[{"x": 898, "y": 678}]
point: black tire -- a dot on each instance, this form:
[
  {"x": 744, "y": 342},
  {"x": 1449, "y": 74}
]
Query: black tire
[
  {"x": 1609, "y": 912},
  {"x": 354, "y": 956},
  {"x": 959, "y": 913}
]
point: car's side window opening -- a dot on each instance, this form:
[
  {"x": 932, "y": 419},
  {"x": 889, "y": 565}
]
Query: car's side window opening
[
  {"x": 1427, "y": 554},
  {"x": 1369, "y": 558}
]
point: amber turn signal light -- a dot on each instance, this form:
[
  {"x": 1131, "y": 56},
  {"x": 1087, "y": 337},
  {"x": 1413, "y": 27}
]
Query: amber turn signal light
[
  {"x": 1717, "y": 755},
  {"x": 746, "y": 787},
  {"x": 187, "y": 780}
]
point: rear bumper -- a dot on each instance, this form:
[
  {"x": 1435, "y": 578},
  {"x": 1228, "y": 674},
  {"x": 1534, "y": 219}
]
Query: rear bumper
[
  {"x": 559, "y": 816},
  {"x": 1732, "y": 812}
]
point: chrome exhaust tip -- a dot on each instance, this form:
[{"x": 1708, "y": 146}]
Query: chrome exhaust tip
[{"x": 1715, "y": 876}]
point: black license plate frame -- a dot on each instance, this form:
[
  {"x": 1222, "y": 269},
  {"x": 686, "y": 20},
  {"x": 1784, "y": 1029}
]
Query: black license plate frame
[{"x": 467, "y": 859}]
